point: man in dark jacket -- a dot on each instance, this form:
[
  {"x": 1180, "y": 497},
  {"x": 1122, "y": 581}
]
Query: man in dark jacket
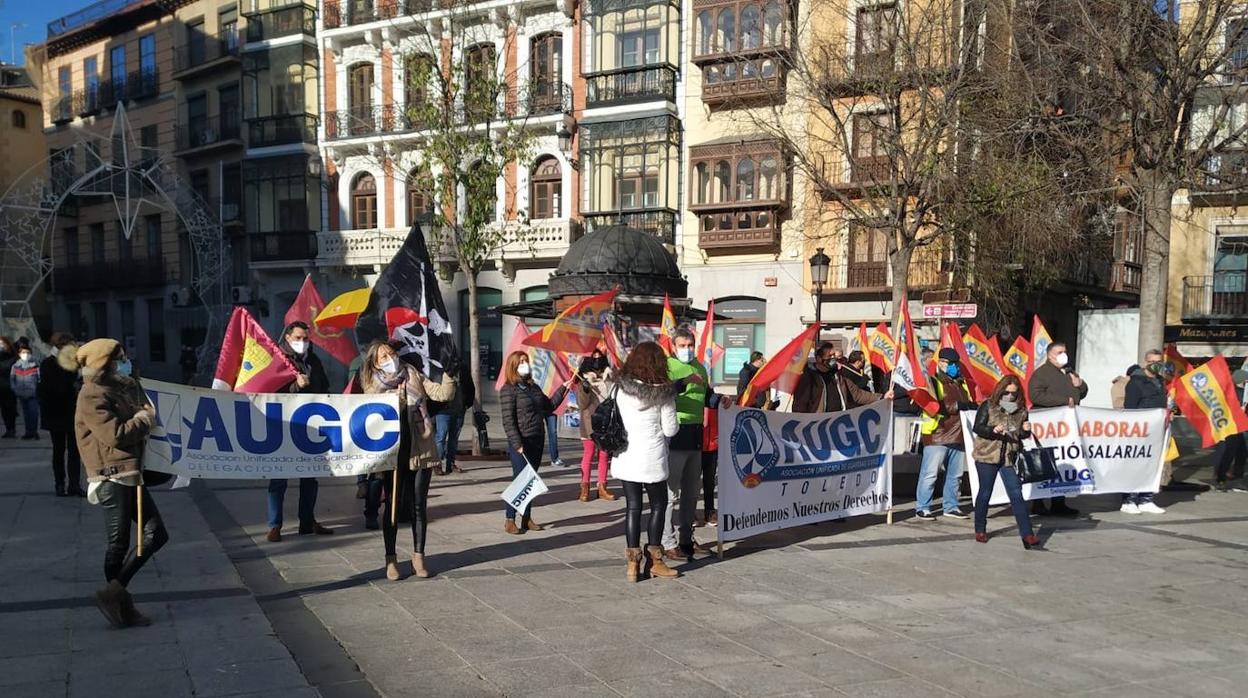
[
  {"x": 1054, "y": 385},
  {"x": 1146, "y": 389},
  {"x": 58, "y": 396},
  {"x": 856, "y": 371},
  {"x": 942, "y": 439},
  {"x": 1233, "y": 450},
  {"x": 821, "y": 388},
  {"x": 748, "y": 370},
  {"x": 311, "y": 378}
]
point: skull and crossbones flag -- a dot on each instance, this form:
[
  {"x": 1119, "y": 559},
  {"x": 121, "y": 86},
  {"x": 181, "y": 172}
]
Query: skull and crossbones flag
[{"x": 406, "y": 306}]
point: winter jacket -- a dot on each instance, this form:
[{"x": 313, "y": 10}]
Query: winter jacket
[
  {"x": 7, "y": 359},
  {"x": 416, "y": 435},
  {"x": 309, "y": 365},
  {"x": 993, "y": 448},
  {"x": 1144, "y": 392},
  {"x": 1050, "y": 386},
  {"x": 110, "y": 425},
  {"x": 817, "y": 391},
  {"x": 1118, "y": 392},
  {"x": 743, "y": 379},
  {"x": 58, "y": 389},
  {"x": 862, "y": 379},
  {"x": 650, "y": 419},
  {"x": 692, "y": 399},
  {"x": 525, "y": 409},
  {"x": 591, "y": 390},
  {"x": 24, "y": 377},
  {"x": 945, "y": 427},
  {"x": 444, "y": 395}
]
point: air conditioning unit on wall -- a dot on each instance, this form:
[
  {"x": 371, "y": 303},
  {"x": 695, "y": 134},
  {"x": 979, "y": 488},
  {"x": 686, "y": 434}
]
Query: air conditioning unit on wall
[
  {"x": 240, "y": 295},
  {"x": 180, "y": 297}
]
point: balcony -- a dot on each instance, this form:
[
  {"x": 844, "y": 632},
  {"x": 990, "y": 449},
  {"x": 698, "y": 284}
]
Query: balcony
[
  {"x": 544, "y": 98},
  {"x": 850, "y": 278},
  {"x": 205, "y": 55},
  {"x": 132, "y": 274},
  {"x": 204, "y": 135},
  {"x": 279, "y": 22},
  {"x": 338, "y": 14},
  {"x": 275, "y": 249},
  {"x": 631, "y": 86},
  {"x": 761, "y": 85},
  {"x": 87, "y": 101},
  {"x": 1097, "y": 270},
  {"x": 366, "y": 248},
  {"x": 546, "y": 238},
  {"x": 864, "y": 173},
  {"x": 734, "y": 225},
  {"x": 1222, "y": 180},
  {"x": 63, "y": 110},
  {"x": 281, "y": 130},
  {"x": 1219, "y": 297},
  {"x": 229, "y": 211},
  {"x": 659, "y": 222},
  {"x": 142, "y": 84}
]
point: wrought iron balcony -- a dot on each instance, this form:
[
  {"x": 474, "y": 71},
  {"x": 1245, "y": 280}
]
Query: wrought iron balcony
[
  {"x": 1222, "y": 296},
  {"x": 97, "y": 277},
  {"x": 286, "y": 246},
  {"x": 204, "y": 54},
  {"x": 281, "y": 130},
  {"x": 207, "y": 133},
  {"x": 87, "y": 101},
  {"x": 857, "y": 277},
  {"x": 143, "y": 83},
  {"x": 282, "y": 21},
  {"x": 659, "y": 222},
  {"x": 63, "y": 110},
  {"x": 631, "y": 85}
]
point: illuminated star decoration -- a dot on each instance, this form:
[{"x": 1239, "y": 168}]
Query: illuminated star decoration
[{"x": 128, "y": 176}]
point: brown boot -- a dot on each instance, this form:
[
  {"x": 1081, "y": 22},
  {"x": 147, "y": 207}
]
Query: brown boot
[
  {"x": 274, "y": 535},
  {"x": 392, "y": 568},
  {"x": 531, "y": 525},
  {"x": 634, "y": 564},
  {"x": 418, "y": 566},
  {"x": 511, "y": 528},
  {"x": 605, "y": 494},
  {"x": 584, "y": 492},
  {"x": 108, "y": 600},
  {"x": 130, "y": 615},
  {"x": 658, "y": 568}
]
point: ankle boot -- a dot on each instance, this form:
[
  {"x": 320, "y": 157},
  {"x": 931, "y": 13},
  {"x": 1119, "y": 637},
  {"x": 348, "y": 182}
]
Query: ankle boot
[
  {"x": 658, "y": 568},
  {"x": 130, "y": 615},
  {"x": 634, "y": 564},
  {"x": 392, "y": 568},
  {"x": 1031, "y": 542},
  {"x": 418, "y": 566},
  {"x": 604, "y": 493},
  {"x": 584, "y": 492},
  {"x": 108, "y": 600}
]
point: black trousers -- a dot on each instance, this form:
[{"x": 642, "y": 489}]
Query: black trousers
[
  {"x": 710, "y": 468},
  {"x": 657, "y": 493},
  {"x": 120, "y": 511},
  {"x": 413, "y": 497},
  {"x": 64, "y": 443},
  {"x": 8, "y": 410},
  {"x": 1229, "y": 457}
]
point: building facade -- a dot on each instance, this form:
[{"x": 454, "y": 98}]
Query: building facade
[{"x": 25, "y": 154}]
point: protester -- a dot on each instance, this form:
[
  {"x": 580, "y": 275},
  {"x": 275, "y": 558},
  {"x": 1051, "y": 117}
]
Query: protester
[
  {"x": 821, "y": 387},
  {"x": 1231, "y": 453},
  {"x": 748, "y": 369},
  {"x": 856, "y": 371},
  {"x": 383, "y": 372},
  {"x": 58, "y": 394},
  {"x": 8, "y": 401},
  {"x": 685, "y": 455},
  {"x": 446, "y": 405},
  {"x": 1053, "y": 384},
  {"x": 593, "y": 387},
  {"x": 552, "y": 437},
  {"x": 112, "y": 420},
  {"x": 525, "y": 409},
  {"x": 24, "y": 377},
  {"x": 710, "y": 465},
  {"x": 1146, "y": 390},
  {"x": 648, "y": 408},
  {"x": 1000, "y": 427},
  {"x": 942, "y": 439},
  {"x": 1118, "y": 388},
  {"x": 310, "y": 379}
]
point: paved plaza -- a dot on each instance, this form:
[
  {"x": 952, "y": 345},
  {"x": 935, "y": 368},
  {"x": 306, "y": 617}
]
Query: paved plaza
[{"x": 1117, "y": 605}]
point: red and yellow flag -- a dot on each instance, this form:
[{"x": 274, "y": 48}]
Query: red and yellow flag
[
  {"x": 1040, "y": 341},
  {"x": 882, "y": 348},
  {"x": 1206, "y": 397},
  {"x": 907, "y": 371},
  {"x": 1177, "y": 360},
  {"x": 709, "y": 353},
  {"x": 984, "y": 360},
  {"x": 1018, "y": 361},
  {"x": 951, "y": 337},
  {"x": 612, "y": 347},
  {"x": 784, "y": 368},
  {"x": 308, "y": 307},
  {"x": 250, "y": 362},
  {"x": 514, "y": 343},
  {"x": 667, "y": 326},
  {"x": 578, "y": 329}
]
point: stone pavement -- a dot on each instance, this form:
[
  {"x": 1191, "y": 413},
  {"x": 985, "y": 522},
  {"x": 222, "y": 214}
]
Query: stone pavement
[{"x": 1145, "y": 605}]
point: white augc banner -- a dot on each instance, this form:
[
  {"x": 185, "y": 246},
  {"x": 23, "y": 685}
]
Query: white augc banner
[
  {"x": 1097, "y": 451},
  {"x": 219, "y": 434},
  {"x": 521, "y": 492},
  {"x": 778, "y": 470}
]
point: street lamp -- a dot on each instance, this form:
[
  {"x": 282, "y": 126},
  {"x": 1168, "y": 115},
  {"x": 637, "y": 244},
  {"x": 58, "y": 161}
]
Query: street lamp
[{"x": 819, "y": 276}]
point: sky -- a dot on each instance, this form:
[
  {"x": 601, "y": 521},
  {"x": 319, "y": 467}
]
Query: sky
[{"x": 35, "y": 15}]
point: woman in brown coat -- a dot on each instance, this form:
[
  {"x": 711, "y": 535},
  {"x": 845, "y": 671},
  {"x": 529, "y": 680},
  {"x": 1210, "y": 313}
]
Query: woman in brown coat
[
  {"x": 593, "y": 387},
  {"x": 383, "y": 372},
  {"x": 112, "y": 420}
]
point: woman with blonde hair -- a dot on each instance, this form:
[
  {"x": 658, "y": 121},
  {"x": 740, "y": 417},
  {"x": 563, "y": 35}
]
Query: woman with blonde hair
[
  {"x": 525, "y": 408},
  {"x": 383, "y": 372}
]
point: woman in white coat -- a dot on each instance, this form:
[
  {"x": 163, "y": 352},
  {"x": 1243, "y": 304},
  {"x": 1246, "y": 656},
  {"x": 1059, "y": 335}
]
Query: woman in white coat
[{"x": 647, "y": 404}]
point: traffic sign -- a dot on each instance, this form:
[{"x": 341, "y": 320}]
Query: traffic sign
[{"x": 951, "y": 310}]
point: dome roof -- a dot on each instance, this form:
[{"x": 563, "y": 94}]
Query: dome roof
[{"x": 617, "y": 255}]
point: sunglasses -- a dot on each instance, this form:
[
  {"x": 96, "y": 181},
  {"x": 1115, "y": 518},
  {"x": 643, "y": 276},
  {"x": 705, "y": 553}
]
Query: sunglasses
[{"x": 1011, "y": 392}]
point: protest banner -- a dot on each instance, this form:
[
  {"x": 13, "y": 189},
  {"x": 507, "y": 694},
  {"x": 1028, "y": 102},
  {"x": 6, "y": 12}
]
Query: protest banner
[
  {"x": 219, "y": 434},
  {"x": 1097, "y": 451},
  {"x": 779, "y": 470}
]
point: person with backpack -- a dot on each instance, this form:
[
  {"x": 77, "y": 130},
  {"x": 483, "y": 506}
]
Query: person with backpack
[
  {"x": 646, "y": 400},
  {"x": 594, "y": 386}
]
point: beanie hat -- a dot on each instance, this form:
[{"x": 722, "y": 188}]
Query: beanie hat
[
  {"x": 96, "y": 354},
  {"x": 1239, "y": 377},
  {"x": 949, "y": 354}
]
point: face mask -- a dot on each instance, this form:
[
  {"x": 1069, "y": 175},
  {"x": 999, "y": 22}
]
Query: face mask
[
  {"x": 24, "y": 356},
  {"x": 1008, "y": 404},
  {"x": 389, "y": 366},
  {"x": 1061, "y": 359},
  {"x": 523, "y": 370},
  {"x": 125, "y": 368},
  {"x": 298, "y": 345},
  {"x": 952, "y": 370},
  {"x": 684, "y": 354}
]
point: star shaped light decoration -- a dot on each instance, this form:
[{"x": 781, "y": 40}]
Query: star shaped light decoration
[{"x": 128, "y": 176}]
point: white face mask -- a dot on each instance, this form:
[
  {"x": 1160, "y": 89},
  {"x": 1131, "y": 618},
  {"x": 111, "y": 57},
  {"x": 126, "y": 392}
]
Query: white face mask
[
  {"x": 1061, "y": 359},
  {"x": 298, "y": 345},
  {"x": 1009, "y": 404},
  {"x": 523, "y": 370},
  {"x": 389, "y": 366},
  {"x": 684, "y": 354}
]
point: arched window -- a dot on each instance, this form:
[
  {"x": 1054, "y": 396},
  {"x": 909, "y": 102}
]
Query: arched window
[
  {"x": 723, "y": 182},
  {"x": 751, "y": 30},
  {"x": 417, "y": 201},
  {"x": 773, "y": 31},
  {"x": 745, "y": 180},
  {"x": 19, "y": 119},
  {"x": 727, "y": 37},
  {"x": 769, "y": 69},
  {"x": 706, "y": 34},
  {"x": 546, "y": 189},
  {"x": 364, "y": 202},
  {"x": 702, "y": 175},
  {"x": 360, "y": 98},
  {"x": 767, "y": 181}
]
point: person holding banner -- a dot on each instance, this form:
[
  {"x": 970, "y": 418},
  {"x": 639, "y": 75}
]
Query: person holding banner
[
  {"x": 592, "y": 388},
  {"x": 1000, "y": 427},
  {"x": 1230, "y": 453},
  {"x": 112, "y": 421},
  {"x": 748, "y": 369},
  {"x": 822, "y": 388},
  {"x": 408, "y": 487},
  {"x": 942, "y": 439},
  {"x": 1146, "y": 390},
  {"x": 647, "y": 404},
  {"x": 1054, "y": 385},
  {"x": 525, "y": 409}
]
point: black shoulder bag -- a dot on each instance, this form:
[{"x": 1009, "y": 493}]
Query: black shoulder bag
[
  {"x": 1036, "y": 466},
  {"x": 607, "y": 430}
]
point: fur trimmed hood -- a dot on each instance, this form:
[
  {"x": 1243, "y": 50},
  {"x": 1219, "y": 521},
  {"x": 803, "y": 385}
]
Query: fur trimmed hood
[
  {"x": 647, "y": 392},
  {"x": 67, "y": 358}
]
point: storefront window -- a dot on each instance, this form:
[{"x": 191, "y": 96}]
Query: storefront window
[
  {"x": 740, "y": 330},
  {"x": 490, "y": 327}
]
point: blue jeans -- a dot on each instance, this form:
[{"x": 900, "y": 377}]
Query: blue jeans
[
  {"x": 30, "y": 414},
  {"x": 1013, "y": 487},
  {"x": 552, "y": 437},
  {"x": 446, "y": 432},
  {"x": 307, "y": 501},
  {"x": 934, "y": 456},
  {"x": 532, "y": 448}
]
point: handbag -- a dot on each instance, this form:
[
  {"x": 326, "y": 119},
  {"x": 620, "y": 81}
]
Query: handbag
[
  {"x": 1036, "y": 466},
  {"x": 608, "y": 431}
]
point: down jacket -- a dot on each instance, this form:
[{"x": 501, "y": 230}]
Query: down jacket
[
  {"x": 649, "y": 415},
  {"x": 525, "y": 409}
]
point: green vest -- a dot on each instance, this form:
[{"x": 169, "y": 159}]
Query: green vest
[{"x": 691, "y": 401}]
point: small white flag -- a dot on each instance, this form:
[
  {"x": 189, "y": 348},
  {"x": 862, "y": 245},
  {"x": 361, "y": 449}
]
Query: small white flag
[{"x": 524, "y": 488}]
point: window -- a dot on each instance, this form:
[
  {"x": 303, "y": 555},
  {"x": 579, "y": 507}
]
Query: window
[
  {"x": 73, "y": 257},
  {"x": 486, "y": 194},
  {"x": 279, "y": 195},
  {"x": 416, "y": 82},
  {"x": 726, "y": 38},
  {"x": 1237, "y": 43},
  {"x": 871, "y": 143},
  {"x": 155, "y": 330},
  {"x": 117, "y": 71},
  {"x": 545, "y": 65},
  {"x": 773, "y": 30},
  {"x": 546, "y": 189},
  {"x": 196, "y": 42},
  {"x": 364, "y": 202},
  {"x": 1230, "y": 263},
  {"x": 739, "y": 187},
  {"x": 66, "y": 87},
  {"x": 97, "y": 243},
  {"x": 868, "y": 256},
  {"x": 418, "y": 204},
  {"x": 706, "y": 34},
  {"x": 745, "y": 180},
  {"x": 77, "y": 322},
  {"x": 751, "y": 28},
  {"x": 125, "y": 248},
  {"x": 197, "y": 120},
  {"x": 875, "y": 38},
  {"x": 227, "y": 30},
  {"x": 231, "y": 192},
  {"x": 768, "y": 184},
  {"x": 148, "y": 145},
  {"x": 19, "y": 119},
  {"x": 723, "y": 182},
  {"x": 125, "y": 311},
  {"x": 481, "y": 81},
  {"x": 91, "y": 81},
  {"x": 360, "y": 97},
  {"x": 228, "y": 110},
  {"x": 151, "y": 225},
  {"x": 99, "y": 318},
  {"x": 702, "y": 180},
  {"x": 638, "y": 48},
  {"x": 147, "y": 56}
]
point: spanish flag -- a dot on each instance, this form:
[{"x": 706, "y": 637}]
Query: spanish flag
[
  {"x": 1177, "y": 360},
  {"x": 1207, "y": 398},
  {"x": 907, "y": 371},
  {"x": 250, "y": 362},
  {"x": 784, "y": 368},
  {"x": 882, "y": 348},
  {"x": 578, "y": 329},
  {"x": 667, "y": 327}
]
